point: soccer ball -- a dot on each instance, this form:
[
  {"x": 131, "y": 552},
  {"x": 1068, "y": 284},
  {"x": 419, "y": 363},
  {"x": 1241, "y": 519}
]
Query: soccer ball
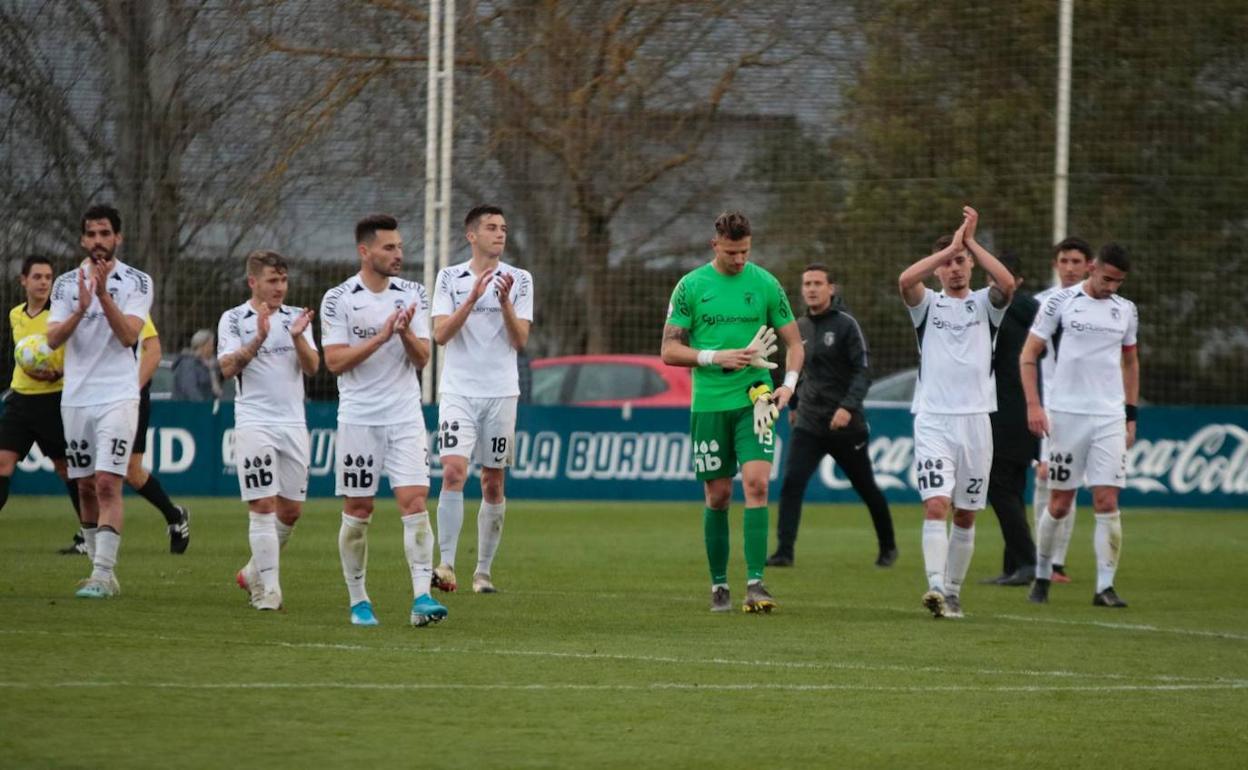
[{"x": 33, "y": 354}]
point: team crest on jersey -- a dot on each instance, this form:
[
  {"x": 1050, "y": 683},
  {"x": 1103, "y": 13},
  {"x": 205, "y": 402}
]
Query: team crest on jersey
[
  {"x": 970, "y": 306},
  {"x": 828, "y": 339},
  {"x": 749, "y": 298},
  {"x": 1113, "y": 311}
]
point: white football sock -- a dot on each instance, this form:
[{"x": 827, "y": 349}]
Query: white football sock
[
  {"x": 284, "y": 531},
  {"x": 418, "y": 546},
  {"x": 106, "y": 544},
  {"x": 489, "y": 533},
  {"x": 264, "y": 548},
  {"x": 353, "y": 550},
  {"x": 450, "y": 522},
  {"x": 1107, "y": 541},
  {"x": 1065, "y": 530},
  {"x": 961, "y": 546},
  {"x": 88, "y": 538},
  {"x": 935, "y": 552},
  {"x": 1039, "y": 501},
  {"x": 1046, "y": 533}
]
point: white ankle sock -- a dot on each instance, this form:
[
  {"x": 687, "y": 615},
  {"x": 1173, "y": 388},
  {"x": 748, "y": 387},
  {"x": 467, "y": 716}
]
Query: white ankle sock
[
  {"x": 489, "y": 533},
  {"x": 450, "y": 522},
  {"x": 88, "y": 537},
  {"x": 353, "y": 550},
  {"x": 1046, "y": 533},
  {"x": 1107, "y": 541},
  {"x": 262, "y": 534},
  {"x": 961, "y": 547},
  {"x": 935, "y": 552},
  {"x": 284, "y": 531},
  {"x": 106, "y": 544},
  {"x": 418, "y": 546},
  {"x": 1065, "y": 530}
]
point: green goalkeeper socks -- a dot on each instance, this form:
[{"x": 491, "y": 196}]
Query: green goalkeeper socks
[
  {"x": 755, "y": 542},
  {"x": 715, "y": 531}
]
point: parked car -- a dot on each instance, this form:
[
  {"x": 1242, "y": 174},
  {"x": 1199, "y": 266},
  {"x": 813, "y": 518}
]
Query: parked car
[
  {"x": 610, "y": 380},
  {"x": 894, "y": 391}
]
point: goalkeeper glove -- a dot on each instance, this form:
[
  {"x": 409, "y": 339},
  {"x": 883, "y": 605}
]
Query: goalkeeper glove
[
  {"x": 763, "y": 345},
  {"x": 765, "y": 412}
]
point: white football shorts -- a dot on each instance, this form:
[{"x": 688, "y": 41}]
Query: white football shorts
[
  {"x": 481, "y": 429},
  {"x": 99, "y": 437},
  {"x": 272, "y": 460},
  {"x": 363, "y": 452},
  {"x": 953, "y": 457},
  {"x": 1085, "y": 448}
]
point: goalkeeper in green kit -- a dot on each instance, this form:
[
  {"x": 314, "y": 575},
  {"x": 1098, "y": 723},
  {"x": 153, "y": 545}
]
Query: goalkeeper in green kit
[{"x": 723, "y": 321}]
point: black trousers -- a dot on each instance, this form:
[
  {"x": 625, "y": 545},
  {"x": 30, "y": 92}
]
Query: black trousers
[
  {"x": 1007, "y": 485},
  {"x": 849, "y": 450}
]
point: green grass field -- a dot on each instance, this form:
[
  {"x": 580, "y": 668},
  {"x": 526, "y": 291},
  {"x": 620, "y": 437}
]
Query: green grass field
[{"x": 600, "y": 651}]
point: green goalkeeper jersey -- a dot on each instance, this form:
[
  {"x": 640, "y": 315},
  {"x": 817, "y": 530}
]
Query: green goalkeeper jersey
[{"x": 724, "y": 312}]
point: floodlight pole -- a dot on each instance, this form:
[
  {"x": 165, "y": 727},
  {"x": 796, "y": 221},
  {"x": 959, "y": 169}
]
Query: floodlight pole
[
  {"x": 1061, "y": 155},
  {"x": 439, "y": 134}
]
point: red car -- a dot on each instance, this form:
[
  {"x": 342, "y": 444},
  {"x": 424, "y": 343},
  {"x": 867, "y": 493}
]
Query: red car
[{"x": 610, "y": 380}]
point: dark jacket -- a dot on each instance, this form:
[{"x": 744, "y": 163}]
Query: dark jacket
[
  {"x": 192, "y": 379},
  {"x": 1010, "y": 437},
  {"x": 835, "y": 374}
]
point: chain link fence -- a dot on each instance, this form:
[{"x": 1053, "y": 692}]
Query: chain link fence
[{"x": 613, "y": 132}]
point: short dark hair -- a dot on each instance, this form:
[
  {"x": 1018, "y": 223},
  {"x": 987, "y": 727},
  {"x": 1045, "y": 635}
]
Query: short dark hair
[
  {"x": 1116, "y": 255},
  {"x": 827, "y": 271},
  {"x": 366, "y": 229},
  {"x": 733, "y": 225},
  {"x": 943, "y": 242},
  {"x": 32, "y": 260},
  {"x": 259, "y": 259},
  {"x": 476, "y": 213},
  {"x": 102, "y": 211},
  {"x": 1074, "y": 244},
  {"x": 1011, "y": 262}
]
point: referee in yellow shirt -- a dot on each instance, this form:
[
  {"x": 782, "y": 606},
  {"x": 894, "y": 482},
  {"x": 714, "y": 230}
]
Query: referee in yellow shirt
[{"x": 32, "y": 406}]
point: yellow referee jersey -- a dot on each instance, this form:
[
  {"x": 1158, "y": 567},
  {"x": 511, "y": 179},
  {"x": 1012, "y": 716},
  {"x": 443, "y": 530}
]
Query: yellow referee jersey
[{"x": 24, "y": 325}]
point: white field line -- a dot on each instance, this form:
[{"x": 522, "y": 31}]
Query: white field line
[
  {"x": 651, "y": 687},
  {"x": 735, "y": 663},
  {"x": 918, "y": 611}
]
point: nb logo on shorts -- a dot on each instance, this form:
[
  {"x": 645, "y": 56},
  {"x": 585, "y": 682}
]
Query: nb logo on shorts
[
  {"x": 256, "y": 471},
  {"x": 356, "y": 471},
  {"x": 77, "y": 456},
  {"x": 928, "y": 474},
  {"x": 706, "y": 457},
  {"x": 1059, "y": 469}
]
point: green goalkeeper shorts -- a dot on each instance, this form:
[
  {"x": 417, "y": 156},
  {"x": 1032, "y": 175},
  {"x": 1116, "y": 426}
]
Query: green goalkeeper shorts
[{"x": 724, "y": 440}]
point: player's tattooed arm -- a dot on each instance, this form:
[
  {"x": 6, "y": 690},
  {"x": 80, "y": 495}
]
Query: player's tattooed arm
[{"x": 675, "y": 349}]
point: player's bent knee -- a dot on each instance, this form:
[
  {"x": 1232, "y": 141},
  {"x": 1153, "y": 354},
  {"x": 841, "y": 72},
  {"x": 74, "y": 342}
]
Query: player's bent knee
[
  {"x": 359, "y": 507},
  {"x": 964, "y": 519},
  {"x": 1105, "y": 499},
  {"x": 936, "y": 508},
  {"x": 454, "y": 472}
]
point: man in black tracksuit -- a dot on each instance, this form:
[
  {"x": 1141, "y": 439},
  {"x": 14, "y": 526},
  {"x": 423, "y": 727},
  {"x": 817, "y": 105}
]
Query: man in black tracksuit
[
  {"x": 1014, "y": 448},
  {"x": 826, "y": 415}
]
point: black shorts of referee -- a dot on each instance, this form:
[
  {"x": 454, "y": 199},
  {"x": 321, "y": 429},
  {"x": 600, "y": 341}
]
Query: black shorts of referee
[{"x": 33, "y": 419}]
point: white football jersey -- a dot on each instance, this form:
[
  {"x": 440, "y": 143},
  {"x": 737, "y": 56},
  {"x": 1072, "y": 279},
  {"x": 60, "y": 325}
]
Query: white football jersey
[
  {"x": 480, "y": 361},
  {"x": 384, "y": 388},
  {"x": 1087, "y": 337},
  {"x": 956, "y": 338},
  {"x": 269, "y": 389},
  {"x": 98, "y": 368}
]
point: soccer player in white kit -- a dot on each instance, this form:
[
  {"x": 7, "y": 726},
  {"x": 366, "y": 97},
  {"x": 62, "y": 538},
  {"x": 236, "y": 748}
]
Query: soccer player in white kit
[
  {"x": 98, "y": 309},
  {"x": 1071, "y": 260},
  {"x": 375, "y": 332},
  {"x": 955, "y": 393},
  {"x": 482, "y": 311},
  {"x": 1091, "y": 418},
  {"x": 267, "y": 347}
]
